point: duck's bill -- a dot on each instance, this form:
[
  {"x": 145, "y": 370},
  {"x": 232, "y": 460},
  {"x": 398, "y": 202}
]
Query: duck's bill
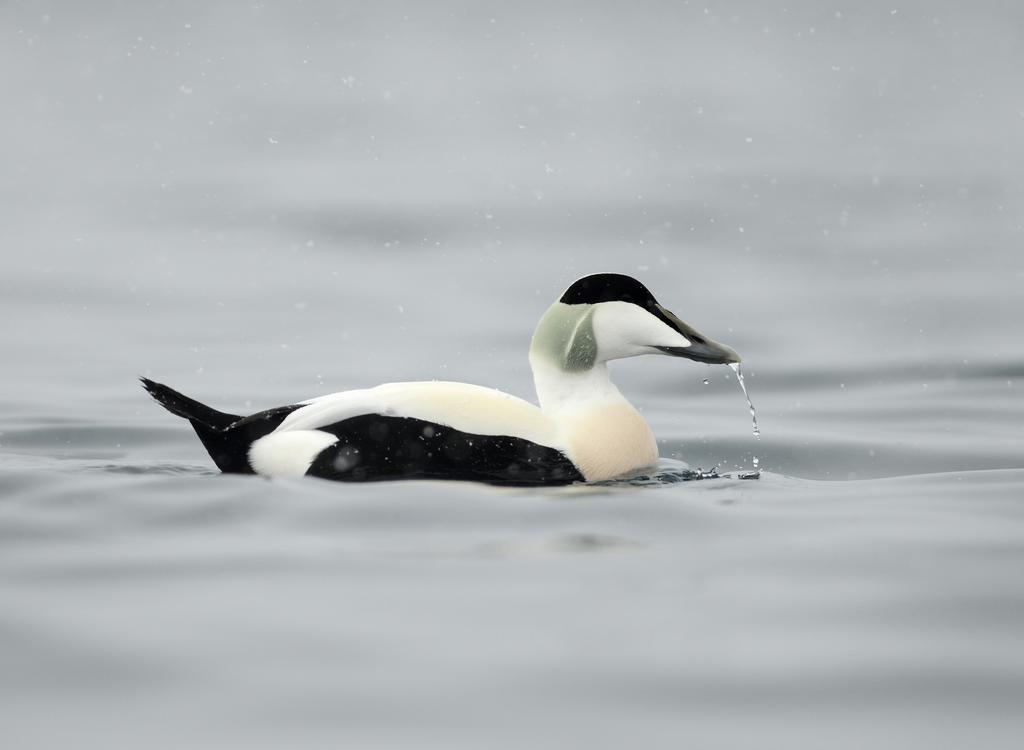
[
  {"x": 707, "y": 351},
  {"x": 701, "y": 348}
]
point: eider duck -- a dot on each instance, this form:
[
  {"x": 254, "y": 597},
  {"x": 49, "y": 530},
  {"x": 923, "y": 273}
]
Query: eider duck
[{"x": 584, "y": 429}]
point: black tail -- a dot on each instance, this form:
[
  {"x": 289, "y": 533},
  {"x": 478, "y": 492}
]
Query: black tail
[
  {"x": 228, "y": 448},
  {"x": 185, "y": 407}
]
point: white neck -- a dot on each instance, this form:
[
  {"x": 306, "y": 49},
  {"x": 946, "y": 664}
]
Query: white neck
[
  {"x": 603, "y": 434},
  {"x": 568, "y": 368},
  {"x": 557, "y": 388}
]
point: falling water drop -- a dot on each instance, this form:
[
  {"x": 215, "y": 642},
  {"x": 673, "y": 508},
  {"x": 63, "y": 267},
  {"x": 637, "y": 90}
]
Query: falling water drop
[{"x": 753, "y": 414}]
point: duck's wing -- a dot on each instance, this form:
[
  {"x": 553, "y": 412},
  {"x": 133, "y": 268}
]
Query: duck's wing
[
  {"x": 417, "y": 430},
  {"x": 469, "y": 408}
]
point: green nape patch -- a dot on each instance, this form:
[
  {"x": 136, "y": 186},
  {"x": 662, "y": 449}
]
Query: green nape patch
[{"x": 566, "y": 336}]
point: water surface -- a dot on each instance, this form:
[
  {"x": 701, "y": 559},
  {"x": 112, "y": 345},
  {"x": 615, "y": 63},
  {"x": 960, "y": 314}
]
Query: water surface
[{"x": 259, "y": 204}]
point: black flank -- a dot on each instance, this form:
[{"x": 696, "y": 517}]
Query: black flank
[{"x": 373, "y": 447}]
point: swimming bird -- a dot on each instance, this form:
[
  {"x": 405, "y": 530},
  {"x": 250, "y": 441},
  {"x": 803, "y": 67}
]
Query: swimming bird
[{"x": 583, "y": 430}]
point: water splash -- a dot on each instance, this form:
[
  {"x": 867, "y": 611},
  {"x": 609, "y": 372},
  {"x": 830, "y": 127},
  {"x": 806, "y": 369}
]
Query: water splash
[
  {"x": 675, "y": 476},
  {"x": 753, "y": 413}
]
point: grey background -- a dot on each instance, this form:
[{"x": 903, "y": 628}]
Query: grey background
[{"x": 259, "y": 203}]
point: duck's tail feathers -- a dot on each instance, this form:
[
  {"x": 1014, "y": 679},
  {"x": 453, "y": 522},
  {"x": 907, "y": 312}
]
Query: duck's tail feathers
[
  {"x": 190, "y": 409},
  {"x": 227, "y": 447}
]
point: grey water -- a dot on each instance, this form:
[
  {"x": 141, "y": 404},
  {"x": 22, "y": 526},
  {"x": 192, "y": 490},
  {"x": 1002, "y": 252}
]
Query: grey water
[{"x": 261, "y": 203}]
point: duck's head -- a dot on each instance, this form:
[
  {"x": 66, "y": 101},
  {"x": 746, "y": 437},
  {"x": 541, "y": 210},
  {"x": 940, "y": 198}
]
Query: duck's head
[{"x": 610, "y": 316}]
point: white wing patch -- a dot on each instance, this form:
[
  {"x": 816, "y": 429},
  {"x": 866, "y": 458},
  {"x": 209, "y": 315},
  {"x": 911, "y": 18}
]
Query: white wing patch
[
  {"x": 288, "y": 454},
  {"x": 469, "y": 408}
]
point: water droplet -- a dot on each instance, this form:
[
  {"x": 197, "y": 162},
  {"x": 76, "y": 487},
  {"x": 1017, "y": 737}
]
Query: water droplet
[
  {"x": 753, "y": 414},
  {"x": 705, "y": 381}
]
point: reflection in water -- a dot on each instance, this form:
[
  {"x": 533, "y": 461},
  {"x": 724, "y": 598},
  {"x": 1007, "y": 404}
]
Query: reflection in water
[
  {"x": 573, "y": 542},
  {"x": 159, "y": 468}
]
